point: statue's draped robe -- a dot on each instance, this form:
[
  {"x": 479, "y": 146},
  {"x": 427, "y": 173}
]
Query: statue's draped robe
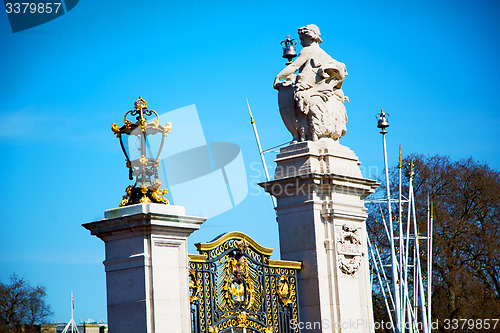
[{"x": 312, "y": 102}]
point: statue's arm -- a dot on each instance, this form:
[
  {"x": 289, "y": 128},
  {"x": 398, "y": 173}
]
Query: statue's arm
[{"x": 292, "y": 68}]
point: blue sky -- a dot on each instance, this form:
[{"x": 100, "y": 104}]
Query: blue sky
[{"x": 432, "y": 65}]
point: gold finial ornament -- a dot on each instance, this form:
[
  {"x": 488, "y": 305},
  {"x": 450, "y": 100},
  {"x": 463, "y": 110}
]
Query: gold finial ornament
[
  {"x": 141, "y": 104},
  {"x": 399, "y": 165},
  {"x": 412, "y": 173},
  {"x": 142, "y": 142}
]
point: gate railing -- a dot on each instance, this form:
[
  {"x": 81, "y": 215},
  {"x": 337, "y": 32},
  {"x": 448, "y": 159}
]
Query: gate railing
[{"x": 235, "y": 287}]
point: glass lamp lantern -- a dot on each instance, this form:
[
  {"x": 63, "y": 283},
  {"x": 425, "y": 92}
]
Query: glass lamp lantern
[
  {"x": 382, "y": 121},
  {"x": 142, "y": 142}
]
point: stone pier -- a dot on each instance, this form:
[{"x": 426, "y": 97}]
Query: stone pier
[
  {"x": 146, "y": 267},
  {"x": 321, "y": 215}
]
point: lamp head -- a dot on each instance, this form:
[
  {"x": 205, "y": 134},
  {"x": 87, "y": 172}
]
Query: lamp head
[
  {"x": 142, "y": 142},
  {"x": 288, "y": 46},
  {"x": 382, "y": 121}
]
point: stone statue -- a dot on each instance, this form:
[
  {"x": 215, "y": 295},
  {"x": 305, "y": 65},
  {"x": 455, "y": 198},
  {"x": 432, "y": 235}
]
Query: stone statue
[{"x": 312, "y": 102}]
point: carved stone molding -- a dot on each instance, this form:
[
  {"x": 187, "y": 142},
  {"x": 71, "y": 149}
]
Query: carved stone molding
[{"x": 349, "y": 249}]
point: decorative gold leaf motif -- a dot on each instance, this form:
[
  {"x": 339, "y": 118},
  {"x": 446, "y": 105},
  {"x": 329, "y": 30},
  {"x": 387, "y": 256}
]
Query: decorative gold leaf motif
[
  {"x": 116, "y": 129},
  {"x": 167, "y": 128},
  {"x": 143, "y": 160},
  {"x": 241, "y": 320},
  {"x": 239, "y": 287},
  {"x": 284, "y": 291},
  {"x": 144, "y": 190},
  {"x": 158, "y": 195},
  {"x": 127, "y": 196},
  {"x": 193, "y": 287}
]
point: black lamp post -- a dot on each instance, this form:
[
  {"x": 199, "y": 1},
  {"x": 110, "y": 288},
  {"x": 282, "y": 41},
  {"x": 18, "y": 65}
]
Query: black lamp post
[{"x": 142, "y": 142}]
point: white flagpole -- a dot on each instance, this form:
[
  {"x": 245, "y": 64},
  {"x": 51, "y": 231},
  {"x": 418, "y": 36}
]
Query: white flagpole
[
  {"x": 400, "y": 220},
  {"x": 419, "y": 267},
  {"x": 395, "y": 275},
  {"x": 71, "y": 326},
  {"x": 429, "y": 271},
  {"x": 370, "y": 246},
  {"x": 264, "y": 165}
]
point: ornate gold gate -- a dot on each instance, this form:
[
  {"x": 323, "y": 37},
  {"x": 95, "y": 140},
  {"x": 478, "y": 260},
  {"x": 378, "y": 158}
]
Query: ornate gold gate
[{"x": 235, "y": 287}]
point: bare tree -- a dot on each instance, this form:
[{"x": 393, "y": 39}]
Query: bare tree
[
  {"x": 22, "y": 306},
  {"x": 466, "y": 254}
]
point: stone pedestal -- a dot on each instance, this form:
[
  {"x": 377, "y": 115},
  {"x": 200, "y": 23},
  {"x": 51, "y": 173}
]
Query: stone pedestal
[
  {"x": 146, "y": 267},
  {"x": 321, "y": 214}
]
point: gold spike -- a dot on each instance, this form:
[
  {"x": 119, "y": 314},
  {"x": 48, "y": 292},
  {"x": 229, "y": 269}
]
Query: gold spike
[
  {"x": 399, "y": 166},
  {"x": 250, "y": 111}
]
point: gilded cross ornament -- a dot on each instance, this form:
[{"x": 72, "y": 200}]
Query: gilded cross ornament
[{"x": 142, "y": 142}]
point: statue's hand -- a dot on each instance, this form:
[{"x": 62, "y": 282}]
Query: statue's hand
[
  {"x": 280, "y": 84},
  {"x": 276, "y": 84}
]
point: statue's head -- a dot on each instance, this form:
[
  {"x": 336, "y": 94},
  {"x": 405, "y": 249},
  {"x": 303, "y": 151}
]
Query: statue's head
[{"x": 312, "y": 32}]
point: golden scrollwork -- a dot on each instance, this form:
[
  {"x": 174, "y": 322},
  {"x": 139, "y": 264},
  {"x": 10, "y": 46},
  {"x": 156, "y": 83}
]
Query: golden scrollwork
[
  {"x": 143, "y": 160},
  {"x": 158, "y": 194},
  {"x": 142, "y": 122},
  {"x": 213, "y": 329},
  {"x": 167, "y": 128},
  {"x": 237, "y": 291},
  {"x": 145, "y": 199},
  {"x": 241, "y": 320},
  {"x": 285, "y": 292},
  {"x": 154, "y": 124},
  {"x": 128, "y": 124},
  {"x": 240, "y": 287},
  {"x": 116, "y": 129},
  {"x": 243, "y": 245},
  {"x": 140, "y": 104},
  {"x": 156, "y": 184},
  {"x": 127, "y": 196},
  {"x": 193, "y": 286},
  {"x": 144, "y": 190}
]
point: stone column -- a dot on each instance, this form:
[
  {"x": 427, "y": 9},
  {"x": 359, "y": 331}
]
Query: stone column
[
  {"x": 146, "y": 267},
  {"x": 321, "y": 215}
]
